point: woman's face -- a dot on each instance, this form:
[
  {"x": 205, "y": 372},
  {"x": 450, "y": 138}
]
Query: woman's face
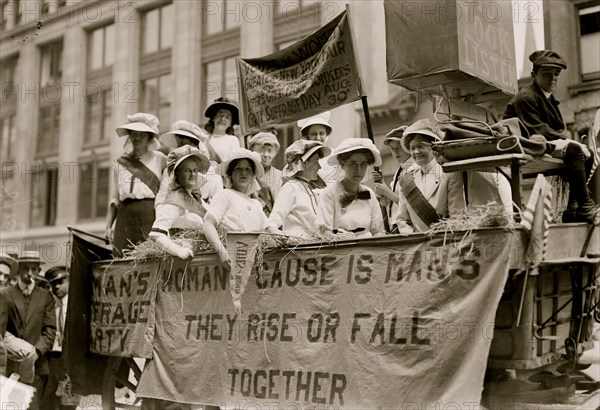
[
  {"x": 242, "y": 175},
  {"x": 317, "y": 132},
  {"x": 223, "y": 119},
  {"x": 140, "y": 139},
  {"x": 311, "y": 167},
  {"x": 420, "y": 149},
  {"x": 187, "y": 173},
  {"x": 355, "y": 167}
]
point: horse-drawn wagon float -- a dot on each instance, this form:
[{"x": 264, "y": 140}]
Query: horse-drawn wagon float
[{"x": 483, "y": 309}]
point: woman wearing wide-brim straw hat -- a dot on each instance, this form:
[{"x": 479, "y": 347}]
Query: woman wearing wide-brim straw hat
[
  {"x": 348, "y": 207},
  {"x": 183, "y": 207},
  {"x": 184, "y": 133},
  {"x": 137, "y": 181},
  {"x": 232, "y": 210},
  {"x": 223, "y": 115},
  {"x": 295, "y": 209}
]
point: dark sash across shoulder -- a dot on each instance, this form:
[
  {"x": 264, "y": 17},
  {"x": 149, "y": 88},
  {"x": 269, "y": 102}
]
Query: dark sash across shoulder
[
  {"x": 417, "y": 200},
  {"x": 140, "y": 171}
]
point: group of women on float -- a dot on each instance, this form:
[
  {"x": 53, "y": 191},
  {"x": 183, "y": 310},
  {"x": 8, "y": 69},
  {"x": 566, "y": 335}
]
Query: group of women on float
[{"x": 207, "y": 181}]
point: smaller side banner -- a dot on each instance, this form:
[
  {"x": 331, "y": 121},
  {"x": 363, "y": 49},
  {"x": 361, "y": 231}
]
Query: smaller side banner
[
  {"x": 312, "y": 75},
  {"x": 123, "y": 313},
  {"x": 242, "y": 249}
]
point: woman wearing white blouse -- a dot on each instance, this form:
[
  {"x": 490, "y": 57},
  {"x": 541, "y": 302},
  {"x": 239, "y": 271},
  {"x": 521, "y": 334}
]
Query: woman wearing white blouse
[
  {"x": 183, "y": 207},
  {"x": 348, "y": 206},
  {"x": 137, "y": 176},
  {"x": 427, "y": 194},
  {"x": 232, "y": 210},
  {"x": 295, "y": 209}
]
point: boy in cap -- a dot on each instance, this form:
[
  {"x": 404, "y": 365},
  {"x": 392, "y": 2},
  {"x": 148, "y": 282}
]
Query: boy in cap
[
  {"x": 538, "y": 110},
  {"x": 266, "y": 144}
]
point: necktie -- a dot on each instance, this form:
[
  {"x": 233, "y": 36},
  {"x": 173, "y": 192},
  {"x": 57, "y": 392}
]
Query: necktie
[{"x": 61, "y": 324}]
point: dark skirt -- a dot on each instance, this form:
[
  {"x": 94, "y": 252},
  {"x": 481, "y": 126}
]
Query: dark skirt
[{"x": 134, "y": 221}]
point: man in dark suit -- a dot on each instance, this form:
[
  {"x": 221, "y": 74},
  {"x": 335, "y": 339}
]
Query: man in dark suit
[
  {"x": 538, "y": 110},
  {"x": 31, "y": 317}
]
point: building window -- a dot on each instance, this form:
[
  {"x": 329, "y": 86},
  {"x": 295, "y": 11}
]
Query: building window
[
  {"x": 156, "y": 96},
  {"x": 9, "y": 137},
  {"x": 8, "y": 108},
  {"x": 50, "y": 93},
  {"x": 157, "y": 29},
  {"x": 221, "y": 15},
  {"x": 99, "y": 94},
  {"x": 4, "y": 9},
  {"x": 156, "y": 84},
  {"x": 51, "y": 63},
  {"x": 589, "y": 41},
  {"x": 98, "y": 118},
  {"x": 220, "y": 80},
  {"x": 44, "y": 190},
  {"x": 101, "y": 47},
  {"x": 93, "y": 191}
]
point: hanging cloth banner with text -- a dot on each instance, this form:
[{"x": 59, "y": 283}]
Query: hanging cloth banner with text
[
  {"x": 379, "y": 323},
  {"x": 313, "y": 75},
  {"x": 122, "y": 315}
]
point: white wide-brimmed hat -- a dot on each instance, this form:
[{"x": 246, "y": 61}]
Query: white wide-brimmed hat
[
  {"x": 242, "y": 153},
  {"x": 421, "y": 127},
  {"x": 263, "y": 138},
  {"x": 186, "y": 129},
  {"x": 142, "y": 122},
  {"x": 355, "y": 144},
  {"x": 10, "y": 262},
  {"x": 320, "y": 119},
  {"x": 178, "y": 155}
]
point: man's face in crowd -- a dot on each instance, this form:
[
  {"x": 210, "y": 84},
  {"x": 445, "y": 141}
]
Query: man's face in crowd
[
  {"x": 4, "y": 274},
  {"x": 60, "y": 287},
  {"x": 28, "y": 271}
]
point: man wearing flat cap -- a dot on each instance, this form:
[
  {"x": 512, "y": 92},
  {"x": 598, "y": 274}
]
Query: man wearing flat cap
[
  {"x": 58, "y": 277},
  {"x": 31, "y": 319},
  {"x": 539, "y": 113}
]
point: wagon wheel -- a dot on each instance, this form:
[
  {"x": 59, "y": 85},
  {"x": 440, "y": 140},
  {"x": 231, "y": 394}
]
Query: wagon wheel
[{"x": 116, "y": 374}]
